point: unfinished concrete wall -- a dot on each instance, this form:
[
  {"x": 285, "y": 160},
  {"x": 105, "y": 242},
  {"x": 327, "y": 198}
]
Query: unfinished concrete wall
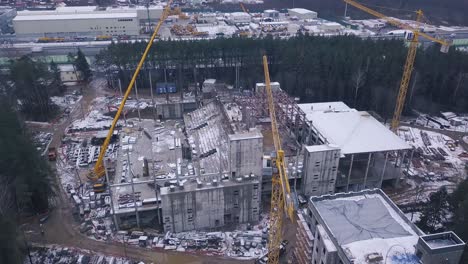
[
  {"x": 320, "y": 170},
  {"x": 246, "y": 153},
  {"x": 174, "y": 110},
  {"x": 207, "y": 206},
  {"x": 242, "y": 203}
]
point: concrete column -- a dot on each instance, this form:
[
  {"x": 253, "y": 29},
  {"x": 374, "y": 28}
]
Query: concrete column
[
  {"x": 409, "y": 161},
  {"x": 383, "y": 170},
  {"x": 401, "y": 167},
  {"x": 138, "y": 101},
  {"x": 367, "y": 170},
  {"x": 349, "y": 172},
  {"x": 155, "y": 188},
  {"x": 120, "y": 87},
  {"x": 133, "y": 190},
  {"x": 152, "y": 96},
  {"x": 123, "y": 112},
  {"x": 116, "y": 223}
]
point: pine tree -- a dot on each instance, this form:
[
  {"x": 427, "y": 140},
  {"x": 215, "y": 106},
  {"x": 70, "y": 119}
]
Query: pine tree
[
  {"x": 56, "y": 80},
  {"x": 31, "y": 81},
  {"x": 435, "y": 215},
  {"x": 25, "y": 181},
  {"x": 82, "y": 66}
]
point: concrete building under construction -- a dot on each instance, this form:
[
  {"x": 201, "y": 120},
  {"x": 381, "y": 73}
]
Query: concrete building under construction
[
  {"x": 203, "y": 173},
  {"x": 350, "y": 148},
  {"x": 367, "y": 227}
]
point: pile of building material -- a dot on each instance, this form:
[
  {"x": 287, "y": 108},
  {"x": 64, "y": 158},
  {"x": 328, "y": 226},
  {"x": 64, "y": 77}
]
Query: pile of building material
[
  {"x": 57, "y": 254},
  {"x": 65, "y": 101},
  {"x": 94, "y": 121},
  {"x": 446, "y": 120},
  {"x": 437, "y": 161},
  {"x": 41, "y": 141}
]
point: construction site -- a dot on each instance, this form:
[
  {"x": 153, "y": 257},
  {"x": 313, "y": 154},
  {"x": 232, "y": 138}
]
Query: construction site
[{"x": 219, "y": 171}]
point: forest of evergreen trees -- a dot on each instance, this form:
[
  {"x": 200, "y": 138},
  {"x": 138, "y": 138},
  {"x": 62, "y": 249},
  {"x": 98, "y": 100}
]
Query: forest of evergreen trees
[
  {"x": 26, "y": 184},
  {"x": 363, "y": 73}
]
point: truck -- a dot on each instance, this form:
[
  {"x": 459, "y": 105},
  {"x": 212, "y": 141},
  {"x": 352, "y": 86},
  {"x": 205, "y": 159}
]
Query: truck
[{"x": 52, "y": 154}]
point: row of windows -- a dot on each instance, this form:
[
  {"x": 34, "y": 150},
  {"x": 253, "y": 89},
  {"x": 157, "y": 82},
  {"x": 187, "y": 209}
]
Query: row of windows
[
  {"x": 122, "y": 27},
  {"x": 125, "y": 19},
  {"x": 112, "y": 31}
]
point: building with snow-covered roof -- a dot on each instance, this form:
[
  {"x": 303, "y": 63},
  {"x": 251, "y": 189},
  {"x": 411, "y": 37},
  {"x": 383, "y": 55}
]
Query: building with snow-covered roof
[
  {"x": 369, "y": 153},
  {"x": 271, "y": 13},
  {"x": 239, "y": 18},
  {"x": 83, "y": 21},
  {"x": 367, "y": 227},
  {"x": 302, "y": 13},
  {"x": 69, "y": 74}
]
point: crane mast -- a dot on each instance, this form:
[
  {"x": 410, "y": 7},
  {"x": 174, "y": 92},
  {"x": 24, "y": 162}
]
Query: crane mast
[
  {"x": 280, "y": 189},
  {"x": 98, "y": 170},
  {"x": 409, "y": 64}
]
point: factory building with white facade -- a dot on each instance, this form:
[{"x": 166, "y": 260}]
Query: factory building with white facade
[{"x": 84, "y": 21}]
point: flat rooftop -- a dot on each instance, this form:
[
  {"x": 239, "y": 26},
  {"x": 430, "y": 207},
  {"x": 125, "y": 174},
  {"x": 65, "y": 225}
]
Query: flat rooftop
[
  {"x": 164, "y": 157},
  {"x": 254, "y": 133},
  {"x": 366, "y": 222},
  {"x": 206, "y": 184},
  {"x": 73, "y": 16},
  {"x": 301, "y": 10},
  {"x": 351, "y": 130}
]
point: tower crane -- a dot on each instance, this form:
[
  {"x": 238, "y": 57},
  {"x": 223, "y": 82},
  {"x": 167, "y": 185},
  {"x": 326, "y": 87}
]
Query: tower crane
[
  {"x": 409, "y": 64},
  {"x": 280, "y": 189},
  {"x": 244, "y": 9},
  {"x": 99, "y": 170}
]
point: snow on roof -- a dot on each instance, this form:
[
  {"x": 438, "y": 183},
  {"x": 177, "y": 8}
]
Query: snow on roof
[
  {"x": 307, "y": 108},
  {"x": 353, "y": 131},
  {"x": 301, "y": 10},
  {"x": 74, "y": 16},
  {"x": 214, "y": 29},
  {"x": 66, "y": 68},
  {"x": 318, "y": 148},
  {"x": 239, "y": 14},
  {"x": 366, "y": 223},
  {"x": 255, "y": 133},
  {"x": 74, "y": 9},
  {"x": 209, "y": 81}
]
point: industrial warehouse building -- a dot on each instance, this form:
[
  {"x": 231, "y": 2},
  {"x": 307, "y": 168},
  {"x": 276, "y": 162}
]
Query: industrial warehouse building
[
  {"x": 84, "y": 21},
  {"x": 302, "y": 13}
]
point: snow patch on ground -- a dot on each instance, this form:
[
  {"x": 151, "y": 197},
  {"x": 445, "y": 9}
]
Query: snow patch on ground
[{"x": 65, "y": 101}]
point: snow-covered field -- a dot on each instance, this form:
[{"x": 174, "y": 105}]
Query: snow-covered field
[{"x": 66, "y": 101}]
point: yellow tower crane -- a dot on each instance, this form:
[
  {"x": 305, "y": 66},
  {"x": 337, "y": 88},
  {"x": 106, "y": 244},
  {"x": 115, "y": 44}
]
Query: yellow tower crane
[
  {"x": 244, "y": 9},
  {"x": 280, "y": 189},
  {"x": 409, "y": 64},
  {"x": 98, "y": 170}
]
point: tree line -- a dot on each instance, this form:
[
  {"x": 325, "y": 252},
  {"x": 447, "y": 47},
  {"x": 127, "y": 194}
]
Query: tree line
[
  {"x": 363, "y": 73},
  {"x": 30, "y": 84},
  {"x": 25, "y": 182}
]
